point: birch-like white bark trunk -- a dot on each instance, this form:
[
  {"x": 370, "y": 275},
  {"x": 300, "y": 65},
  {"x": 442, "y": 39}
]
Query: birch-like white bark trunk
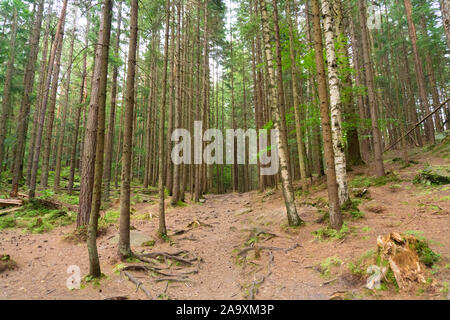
[
  {"x": 288, "y": 192},
  {"x": 335, "y": 103}
]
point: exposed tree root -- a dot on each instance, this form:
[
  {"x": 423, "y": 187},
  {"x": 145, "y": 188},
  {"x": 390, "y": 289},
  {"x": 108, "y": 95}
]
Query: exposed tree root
[
  {"x": 259, "y": 248},
  {"x": 173, "y": 279},
  {"x": 117, "y": 298},
  {"x": 253, "y": 289},
  {"x": 138, "y": 284},
  {"x": 173, "y": 256},
  {"x": 159, "y": 273},
  {"x": 157, "y": 270}
]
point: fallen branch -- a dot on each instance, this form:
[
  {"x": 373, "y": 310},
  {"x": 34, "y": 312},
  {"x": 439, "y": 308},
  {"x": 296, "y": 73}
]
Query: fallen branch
[
  {"x": 6, "y": 211},
  {"x": 9, "y": 202},
  {"x": 137, "y": 283}
]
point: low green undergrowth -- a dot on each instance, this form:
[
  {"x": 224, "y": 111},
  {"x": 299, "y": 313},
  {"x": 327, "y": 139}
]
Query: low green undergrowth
[
  {"x": 326, "y": 266},
  {"x": 351, "y": 208},
  {"x": 38, "y": 216},
  {"x": 427, "y": 256},
  {"x": 328, "y": 233},
  {"x": 360, "y": 265},
  {"x": 361, "y": 181},
  {"x": 433, "y": 176}
]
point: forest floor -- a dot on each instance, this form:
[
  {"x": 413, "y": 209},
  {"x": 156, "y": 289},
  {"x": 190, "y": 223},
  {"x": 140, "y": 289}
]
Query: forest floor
[{"x": 217, "y": 231}]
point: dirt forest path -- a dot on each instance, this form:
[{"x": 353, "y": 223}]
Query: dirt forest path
[{"x": 227, "y": 223}]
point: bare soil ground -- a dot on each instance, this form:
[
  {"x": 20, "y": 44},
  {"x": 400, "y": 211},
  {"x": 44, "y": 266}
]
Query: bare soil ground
[{"x": 223, "y": 226}]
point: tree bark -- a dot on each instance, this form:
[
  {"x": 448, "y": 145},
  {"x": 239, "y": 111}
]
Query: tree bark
[
  {"x": 178, "y": 107},
  {"x": 94, "y": 263},
  {"x": 98, "y": 92},
  {"x": 124, "y": 250},
  {"x": 82, "y": 101},
  {"x": 112, "y": 114},
  {"x": 445, "y": 10},
  {"x": 280, "y": 86},
  {"x": 235, "y": 172},
  {"x": 298, "y": 128},
  {"x": 28, "y": 83},
  {"x": 6, "y": 103},
  {"x": 368, "y": 67},
  {"x": 347, "y": 97},
  {"x": 162, "y": 218},
  {"x": 40, "y": 92},
  {"x": 51, "y": 115},
  {"x": 62, "y": 127},
  {"x": 288, "y": 193},
  {"x": 432, "y": 80},
  {"x": 429, "y": 127},
  {"x": 333, "y": 198},
  {"x": 335, "y": 104},
  {"x": 38, "y": 139},
  {"x": 169, "y": 169}
]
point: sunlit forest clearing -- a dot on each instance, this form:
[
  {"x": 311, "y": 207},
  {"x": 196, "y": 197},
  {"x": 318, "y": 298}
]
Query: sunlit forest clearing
[{"x": 326, "y": 177}]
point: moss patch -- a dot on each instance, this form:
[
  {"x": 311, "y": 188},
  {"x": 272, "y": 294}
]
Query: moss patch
[
  {"x": 433, "y": 176},
  {"x": 361, "y": 181},
  {"x": 328, "y": 233}
]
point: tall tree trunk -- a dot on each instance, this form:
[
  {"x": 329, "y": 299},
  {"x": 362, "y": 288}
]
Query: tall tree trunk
[
  {"x": 294, "y": 75},
  {"x": 38, "y": 139},
  {"x": 178, "y": 107},
  {"x": 432, "y": 80},
  {"x": 280, "y": 86},
  {"x": 94, "y": 263},
  {"x": 316, "y": 155},
  {"x": 410, "y": 98},
  {"x": 51, "y": 115},
  {"x": 333, "y": 198},
  {"x": 445, "y": 10},
  {"x": 82, "y": 100},
  {"x": 62, "y": 127},
  {"x": 429, "y": 127},
  {"x": 40, "y": 92},
  {"x": 288, "y": 193},
  {"x": 169, "y": 169},
  {"x": 244, "y": 110},
  {"x": 6, "y": 103},
  {"x": 28, "y": 83},
  {"x": 162, "y": 218},
  {"x": 98, "y": 92},
  {"x": 148, "y": 126},
  {"x": 368, "y": 67},
  {"x": 235, "y": 172},
  {"x": 124, "y": 250},
  {"x": 354, "y": 152},
  {"x": 112, "y": 114},
  {"x": 335, "y": 104}
]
